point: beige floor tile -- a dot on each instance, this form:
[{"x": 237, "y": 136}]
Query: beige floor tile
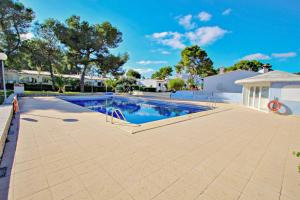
[
  {"x": 104, "y": 189},
  {"x": 85, "y": 166},
  {"x": 60, "y": 176},
  {"x": 210, "y": 157},
  {"x": 66, "y": 189},
  {"x": 122, "y": 196},
  {"x": 144, "y": 189},
  {"x": 29, "y": 182},
  {"x": 81, "y": 195},
  {"x": 41, "y": 195}
]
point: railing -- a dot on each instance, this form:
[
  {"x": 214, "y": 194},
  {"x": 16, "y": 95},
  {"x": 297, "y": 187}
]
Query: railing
[
  {"x": 212, "y": 103},
  {"x": 119, "y": 114}
]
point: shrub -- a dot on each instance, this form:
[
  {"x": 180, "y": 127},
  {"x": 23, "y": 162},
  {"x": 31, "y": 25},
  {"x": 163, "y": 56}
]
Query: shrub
[
  {"x": 149, "y": 89},
  {"x": 120, "y": 88},
  {"x": 176, "y": 84},
  {"x": 60, "y": 83}
]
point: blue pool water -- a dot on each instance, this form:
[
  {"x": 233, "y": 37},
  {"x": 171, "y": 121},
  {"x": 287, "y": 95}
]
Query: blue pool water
[{"x": 138, "y": 110}]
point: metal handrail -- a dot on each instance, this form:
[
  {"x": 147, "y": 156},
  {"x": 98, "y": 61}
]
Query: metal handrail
[{"x": 116, "y": 111}]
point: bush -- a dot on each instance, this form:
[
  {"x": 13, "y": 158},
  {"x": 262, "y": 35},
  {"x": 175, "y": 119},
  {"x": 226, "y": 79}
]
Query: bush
[
  {"x": 176, "y": 84},
  {"x": 149, "y": 89},
  {"x": 38, "y": 87},
  {"x": 120, "y": 88}
]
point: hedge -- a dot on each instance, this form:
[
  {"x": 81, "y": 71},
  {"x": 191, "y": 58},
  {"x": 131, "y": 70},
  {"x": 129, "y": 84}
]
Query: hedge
[{"x": 68, "y": 88}]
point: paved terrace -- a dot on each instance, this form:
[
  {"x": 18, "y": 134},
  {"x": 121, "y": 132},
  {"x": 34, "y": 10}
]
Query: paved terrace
[{"x": 65, "y": 152}]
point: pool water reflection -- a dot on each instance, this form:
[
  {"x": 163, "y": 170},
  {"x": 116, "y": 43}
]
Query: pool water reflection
[{"x": 138, "y": 110}]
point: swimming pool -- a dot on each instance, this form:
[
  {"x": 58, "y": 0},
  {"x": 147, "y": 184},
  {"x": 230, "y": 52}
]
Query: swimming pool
[{"x": 137, "y": 110}]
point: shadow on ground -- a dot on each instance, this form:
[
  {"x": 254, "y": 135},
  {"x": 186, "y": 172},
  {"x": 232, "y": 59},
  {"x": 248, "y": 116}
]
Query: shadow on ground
[{"x": 8, "y": 156}]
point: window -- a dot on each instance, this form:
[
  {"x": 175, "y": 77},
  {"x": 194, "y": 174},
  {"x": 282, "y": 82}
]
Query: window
[{"x": 265, "y": 92}]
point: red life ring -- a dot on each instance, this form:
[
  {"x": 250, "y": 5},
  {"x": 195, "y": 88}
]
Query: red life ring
[{"x": 274, "y": 105}]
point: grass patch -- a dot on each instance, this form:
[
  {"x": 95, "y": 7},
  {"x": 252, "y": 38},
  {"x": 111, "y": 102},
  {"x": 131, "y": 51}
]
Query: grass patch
[
  {"x": 44, "y": 93},
  {"x": 8, "y": 92}
]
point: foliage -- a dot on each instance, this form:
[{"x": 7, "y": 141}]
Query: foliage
[
  {"x": 134, "y": 74},
  {"x": 60, "y": 83},
  {"x": 112, "y": 64},
  {"x": 89, "y": 44},
  {"x": 126, "y": 83},
  {"x": 15, "y": 20},
  {"x": 176, "y": 84},
  {"x": 250, "y": 65},
  {"x": 297, "y": 154},
  {"x": 196, "y": 62},
  {"x": 179, "y": 68},
  {"x": 8, "y": 92},
  {"x": 191, "y": 83},
  {"x": 162, "y": 73},
  {"x": 112, "y": 83}
]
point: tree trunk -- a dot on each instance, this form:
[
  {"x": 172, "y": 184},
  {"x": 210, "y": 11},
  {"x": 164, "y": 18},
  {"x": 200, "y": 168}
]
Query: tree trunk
[
  {"x": 82, "y": 79},
  {"x": 52, "y": 77},
  {"x": 1, "y": 76}
]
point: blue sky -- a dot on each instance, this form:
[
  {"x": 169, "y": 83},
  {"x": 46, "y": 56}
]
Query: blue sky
[{"x": 155, "y": 31}]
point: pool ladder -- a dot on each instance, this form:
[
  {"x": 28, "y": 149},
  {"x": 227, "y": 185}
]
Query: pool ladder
[{"x": 119, "y": 114}]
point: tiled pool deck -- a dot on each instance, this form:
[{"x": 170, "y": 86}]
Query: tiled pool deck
[{"x": 65, "y": 152}]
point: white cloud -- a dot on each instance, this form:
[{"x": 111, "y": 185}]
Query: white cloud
[
  {"x": 162, "y": 51},
  {"x": 160, "y": 35},
  {"x": 227, "y": 11},
  {"x": 186, "y": 22},
  {"x": 144, "y": 71},
  {"x": 206, "y": 35},
  {"x": 284, "y": 55},
  {"x": 148, "y": 62},
  {"x": 172, "y": 39},
  {"x": 26, "y": 36},
  {"x": 204, "y": 16},
  {"x": 165, "y": 52},
  {"x": 256, "y": 56}
]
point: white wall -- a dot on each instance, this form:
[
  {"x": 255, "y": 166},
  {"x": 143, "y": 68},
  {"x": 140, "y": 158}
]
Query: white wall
[
  {"x": 159, "y": 85},
  {"x": 225, "y": 82},
  {"x": 202, "y": 96}
]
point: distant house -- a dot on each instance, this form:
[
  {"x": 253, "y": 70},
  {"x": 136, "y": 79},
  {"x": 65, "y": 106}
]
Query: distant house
[
  {"x": 160, "y": 85},
  {"x": 225, "y": 82},
  {"x": 259, "y": 90},
  {"x": 31, "y": 76}
]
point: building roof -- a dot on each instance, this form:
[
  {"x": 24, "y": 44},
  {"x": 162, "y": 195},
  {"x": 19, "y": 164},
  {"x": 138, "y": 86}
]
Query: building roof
[
  {"x": 45, "y": 73},
  {"x": 229, "y": 73},
  {"x": 273, "y": 76}
]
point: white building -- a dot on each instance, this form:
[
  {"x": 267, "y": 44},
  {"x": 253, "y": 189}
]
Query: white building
[
  {"x": 31, "y": 76},
  {"x": 160, "y": 85},
  {"x": 225, "y": 82},
  {"x": 259, "y": 90}
]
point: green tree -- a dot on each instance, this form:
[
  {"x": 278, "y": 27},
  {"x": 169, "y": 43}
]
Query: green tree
[
  {"x": 133, "y": 73},
  {"x": 87, "y": 43},
  {"x": 15, "y": 20},
  {"x": 162, "y": 73},
  {"x": 112, "y": 83},
  {"x": 45, "y": 50},
  {"x": 176, "y": 84},
  {"x": 112, "y": 65},
  {"x": 196, "y": 62},
  {"x": 60, "y": 83},
  {"x": 250, "y": 65},
  {"x": 124, "y": 84},
  {"x": 179, "y": 68},
  {"x": 48, "y": 47}
]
